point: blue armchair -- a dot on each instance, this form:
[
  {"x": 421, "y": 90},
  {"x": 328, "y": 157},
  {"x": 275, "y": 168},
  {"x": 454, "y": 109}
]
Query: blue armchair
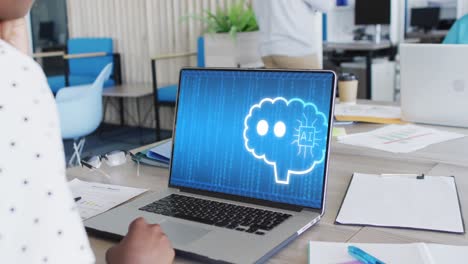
[
  {"x": 458, "y": 34},
  {"x": 81, "y": 70},
  {"x": 167, "y": 95},
  {"x": 80, "y": 111}
]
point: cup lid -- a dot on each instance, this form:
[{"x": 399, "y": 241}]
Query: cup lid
[{"x": 347, "y": 77}]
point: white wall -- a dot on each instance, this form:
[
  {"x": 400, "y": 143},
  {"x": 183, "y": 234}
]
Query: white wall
[
  {"x": 462, "y": 8},
  {"x": 142, "y": 29}
]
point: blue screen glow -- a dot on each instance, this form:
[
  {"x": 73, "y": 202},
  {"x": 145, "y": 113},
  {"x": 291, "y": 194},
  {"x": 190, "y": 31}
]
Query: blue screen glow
[{"x": 257, "y": 134}]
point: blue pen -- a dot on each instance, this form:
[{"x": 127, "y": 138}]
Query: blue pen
[{"x": 363, "y": 256}]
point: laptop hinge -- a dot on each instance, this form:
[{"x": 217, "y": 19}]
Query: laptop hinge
[{"x": 237, "y": 198}]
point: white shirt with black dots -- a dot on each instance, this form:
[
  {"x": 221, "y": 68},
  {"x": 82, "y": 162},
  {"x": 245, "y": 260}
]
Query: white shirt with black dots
[{"x": 39, "y": 221}]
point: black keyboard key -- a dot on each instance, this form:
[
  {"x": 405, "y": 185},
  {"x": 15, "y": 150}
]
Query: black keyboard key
[{"x": 224, "y": 215}]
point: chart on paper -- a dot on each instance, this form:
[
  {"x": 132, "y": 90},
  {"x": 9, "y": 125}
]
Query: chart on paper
[
  {"x": 404, "y": 136},
  {"x": 399, "y": 138},
  {"x": 97, "y": 198}
]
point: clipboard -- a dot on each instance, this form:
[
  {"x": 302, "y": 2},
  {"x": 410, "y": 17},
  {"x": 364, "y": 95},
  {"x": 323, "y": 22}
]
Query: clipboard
[{"x": 360, "y": 209}]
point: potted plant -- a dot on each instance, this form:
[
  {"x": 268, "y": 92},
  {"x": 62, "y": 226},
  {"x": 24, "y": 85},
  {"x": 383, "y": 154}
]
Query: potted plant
[{"x": 231, "y": 36}]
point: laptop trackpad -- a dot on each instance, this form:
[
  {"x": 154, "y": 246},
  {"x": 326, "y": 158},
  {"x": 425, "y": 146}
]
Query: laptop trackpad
[{"x": 182, "y": 234}]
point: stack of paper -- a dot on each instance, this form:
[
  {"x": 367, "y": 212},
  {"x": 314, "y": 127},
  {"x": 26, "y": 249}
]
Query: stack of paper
[
  {"x": 399, "y": 138},
  {"x": 96, "y": 198},
  {"x": 417, "y": 253},
  {"x": 388, "y": 200},
  {"x": 368, "y": 113}
]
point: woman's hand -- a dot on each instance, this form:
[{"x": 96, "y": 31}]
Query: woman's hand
[
  {"x": 144, "y": 244},
  {"x": 15, "y": 32}
]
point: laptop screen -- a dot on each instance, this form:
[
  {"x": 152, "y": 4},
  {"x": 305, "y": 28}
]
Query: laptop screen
[{"x": 254, "y": 133}]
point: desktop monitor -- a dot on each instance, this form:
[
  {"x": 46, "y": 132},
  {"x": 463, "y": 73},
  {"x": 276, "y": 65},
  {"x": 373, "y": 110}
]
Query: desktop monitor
[
  {"x": 372, "y": 12},
  {"x": 425, "y": 18},
  {"x": 46, "y": 30}
]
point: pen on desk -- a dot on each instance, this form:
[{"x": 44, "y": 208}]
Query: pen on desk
[
  {"x": 77, "y": 199},
  {"x": 363, "y": 256}
]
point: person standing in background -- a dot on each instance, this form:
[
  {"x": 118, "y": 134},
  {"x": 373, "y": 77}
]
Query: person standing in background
[{"x": 287, "y": 32}]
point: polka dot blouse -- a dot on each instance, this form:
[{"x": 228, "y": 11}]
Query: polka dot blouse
[{"x": 39, "y": 222}]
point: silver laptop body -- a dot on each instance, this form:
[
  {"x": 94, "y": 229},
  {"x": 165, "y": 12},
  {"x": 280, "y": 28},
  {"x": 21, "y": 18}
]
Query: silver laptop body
[
  {"x": 434, "y": 84},
  {"x": 211, "y": 243}
]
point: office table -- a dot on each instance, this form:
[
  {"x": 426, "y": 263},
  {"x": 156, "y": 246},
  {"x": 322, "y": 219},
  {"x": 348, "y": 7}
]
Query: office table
[
  {"x": 362, "y": 48},
  {"x": 432, "y": 36},
  {"x": 135, "y": 91},
  {"x": 448, "y": 158},
  {"x": 128, "y": 91}
]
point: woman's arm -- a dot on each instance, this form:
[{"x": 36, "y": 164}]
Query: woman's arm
[{"x": 15, "y": 32}]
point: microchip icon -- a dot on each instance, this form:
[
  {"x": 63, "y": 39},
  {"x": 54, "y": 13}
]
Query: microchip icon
[{"x": 306, "y": 136}]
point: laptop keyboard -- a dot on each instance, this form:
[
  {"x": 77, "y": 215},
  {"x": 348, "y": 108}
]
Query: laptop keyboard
[{"x": 236, "y": 217}]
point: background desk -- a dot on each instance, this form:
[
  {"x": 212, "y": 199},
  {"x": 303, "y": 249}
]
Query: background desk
[
  {"x": 442, "y": 159},
  {"x": 369, "y": 50},
  {"x": 434, "y": 36},
  {"x": 128, "y": 91}
]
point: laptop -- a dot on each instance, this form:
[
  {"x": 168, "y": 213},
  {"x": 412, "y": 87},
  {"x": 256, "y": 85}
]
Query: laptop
[
  {"x": 434, "y": 84},
  {"x": 249, "y": 164}
]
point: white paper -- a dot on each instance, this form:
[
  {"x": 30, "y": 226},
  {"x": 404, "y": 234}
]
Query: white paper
[
  {"x": 402, "y": 201},
  {"x": 447, "y": 254},
  {"x": 399, "y": 138},
  {"x": 415, "y": 253},
  {"x": 97, "y": 198},
  {"x": 377, "y": 111},
  {"x": 334, "y": 253}
]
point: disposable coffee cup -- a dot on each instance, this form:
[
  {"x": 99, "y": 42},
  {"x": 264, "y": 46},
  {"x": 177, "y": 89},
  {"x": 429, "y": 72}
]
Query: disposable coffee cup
[{"x": 347, "y": 88}]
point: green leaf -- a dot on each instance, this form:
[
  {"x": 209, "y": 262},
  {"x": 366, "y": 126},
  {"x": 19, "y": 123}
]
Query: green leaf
[
  {"x": 233, "y": 32},
  {"x": 239, "y": 17}
]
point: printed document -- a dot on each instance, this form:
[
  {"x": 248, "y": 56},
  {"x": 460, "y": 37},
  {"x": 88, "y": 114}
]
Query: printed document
[
  {"x": 399, "y": 138},
  {"x": 97, "y": 198}
]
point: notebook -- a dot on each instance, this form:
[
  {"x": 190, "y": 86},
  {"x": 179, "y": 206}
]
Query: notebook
[
  {"x": 161, "y": 152},
  {"x": 368, "y": 113},
  {"x": 405, "y": 201},
  {"x": 158, "y": 155}
]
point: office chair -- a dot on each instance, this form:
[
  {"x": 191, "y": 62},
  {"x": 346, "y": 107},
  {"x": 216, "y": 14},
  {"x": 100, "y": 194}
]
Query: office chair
[
  {"x": 166, "y": 95},
  {"x": 80, "y": 112},
  {"x": 84, "y": 70},
  {"x": 458, "y": 34}
]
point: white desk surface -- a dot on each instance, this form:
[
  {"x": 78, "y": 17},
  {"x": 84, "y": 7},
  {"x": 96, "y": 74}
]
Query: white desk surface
[{"x": 445, "y": 158}]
